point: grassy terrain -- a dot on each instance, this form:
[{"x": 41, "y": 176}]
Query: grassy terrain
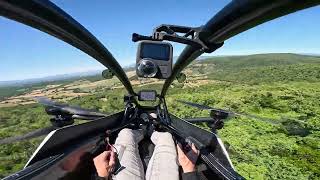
[
  {"x": 278, "y": 86},
  {"x": 15, "y": 90}
]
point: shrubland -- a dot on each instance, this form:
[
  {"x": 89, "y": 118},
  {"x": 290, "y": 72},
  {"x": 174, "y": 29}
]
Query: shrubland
[{"x": 284, "y": 88}]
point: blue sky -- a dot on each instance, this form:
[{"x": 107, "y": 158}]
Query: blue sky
[{"x": 28, "y": 53}]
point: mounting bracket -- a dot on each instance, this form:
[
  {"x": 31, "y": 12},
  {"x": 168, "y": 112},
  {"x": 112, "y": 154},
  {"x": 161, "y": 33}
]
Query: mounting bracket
[{"x": 179, "y": 34}]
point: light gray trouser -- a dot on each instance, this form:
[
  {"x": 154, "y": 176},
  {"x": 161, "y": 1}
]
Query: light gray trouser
[{"x": 162, "y": 165}]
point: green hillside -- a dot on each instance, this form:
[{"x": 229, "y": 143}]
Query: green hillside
[
  {"x": 272, "y": 59},
  {"x": 282, "y": 87},
  {"x": 255, "y": 69}
]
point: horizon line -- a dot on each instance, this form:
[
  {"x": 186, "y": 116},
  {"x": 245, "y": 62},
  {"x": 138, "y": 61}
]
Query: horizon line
[{"x": 129, "y": 66}]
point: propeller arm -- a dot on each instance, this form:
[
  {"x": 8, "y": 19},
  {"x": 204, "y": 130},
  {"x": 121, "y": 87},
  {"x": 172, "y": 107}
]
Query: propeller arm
[
  {"x": 200, "y": 119},
  {"x": 224, "y": 114},
  {"x": 54, "y": 108},
  {"x": 63, "y": 116}
]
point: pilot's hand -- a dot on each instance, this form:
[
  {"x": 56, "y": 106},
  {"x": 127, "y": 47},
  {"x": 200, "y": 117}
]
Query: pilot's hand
[
  {"x": 105, "y": 163},
  {"x": 187, "y": 160}
]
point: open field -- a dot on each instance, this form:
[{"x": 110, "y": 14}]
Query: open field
[{"x": 67, "y": 91}]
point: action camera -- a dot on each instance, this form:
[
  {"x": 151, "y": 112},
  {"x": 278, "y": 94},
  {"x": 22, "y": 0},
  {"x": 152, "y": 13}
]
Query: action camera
[{"x": 154, "y": 59}]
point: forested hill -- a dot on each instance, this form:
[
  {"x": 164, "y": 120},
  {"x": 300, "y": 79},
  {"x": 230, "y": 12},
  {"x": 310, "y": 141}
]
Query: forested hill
[
  {"x": 258, "y": 60},
  {"x": 263, "y": 67}
]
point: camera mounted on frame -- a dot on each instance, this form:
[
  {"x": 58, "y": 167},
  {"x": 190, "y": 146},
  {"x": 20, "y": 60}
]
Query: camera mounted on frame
[{"x": 155, "y": 58}]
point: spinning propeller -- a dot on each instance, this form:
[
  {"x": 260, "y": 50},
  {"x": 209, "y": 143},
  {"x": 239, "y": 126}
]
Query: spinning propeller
[
  {"x": 225, "y": 114},
  {"x": 63, "y": 115},
  {"x": 53, "y": 108}
]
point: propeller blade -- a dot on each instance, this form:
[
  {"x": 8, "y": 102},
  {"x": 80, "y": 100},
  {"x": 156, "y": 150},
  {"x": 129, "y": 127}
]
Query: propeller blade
[
  {"x": 48, "y": 102},
  {"x": 30, "y": 135},
  {"x": 82, "y": 112},
  {"x": 272, "y": 121},
  {"x": 292, "y": 126},
  {"x": 85, "y": 117},
  {"x": 199, "y": 120},
  {"x": 269, "y": 120},
  {"x": 205, "y": 107},
  {"x": 201, "y": 106},
  {"x": 69, "y": 109}
]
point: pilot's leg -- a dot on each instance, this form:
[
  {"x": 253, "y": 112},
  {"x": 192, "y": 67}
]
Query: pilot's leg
[
  {"x": 127, "y": 147},
  {"x": 163, "y": 163}
]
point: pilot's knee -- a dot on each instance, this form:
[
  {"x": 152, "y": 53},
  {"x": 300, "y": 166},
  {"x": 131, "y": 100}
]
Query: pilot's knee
[
  {"x": 126, "y": 132},
  {"x": 161, "y": 137},
  {"x": 129, "y": 134},
  {"x": 165, "y": 135}
]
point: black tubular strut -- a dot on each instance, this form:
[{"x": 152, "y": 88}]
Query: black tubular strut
[
  {"x": 47, "y": 17},
  {"x": 236, "y": 17}
]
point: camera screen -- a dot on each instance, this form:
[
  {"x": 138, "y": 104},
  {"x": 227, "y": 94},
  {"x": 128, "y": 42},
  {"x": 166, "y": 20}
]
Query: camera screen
[
  {"x": 147, "y": 95},
  {"x": 155, "y": 51}
]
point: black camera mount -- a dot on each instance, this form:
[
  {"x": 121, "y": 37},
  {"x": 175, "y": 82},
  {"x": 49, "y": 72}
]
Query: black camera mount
[{"x": 179, "y": 34}]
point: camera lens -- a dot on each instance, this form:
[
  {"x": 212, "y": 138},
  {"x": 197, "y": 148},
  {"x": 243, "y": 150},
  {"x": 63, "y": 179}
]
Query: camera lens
[{"x": 147, "y": 68}]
